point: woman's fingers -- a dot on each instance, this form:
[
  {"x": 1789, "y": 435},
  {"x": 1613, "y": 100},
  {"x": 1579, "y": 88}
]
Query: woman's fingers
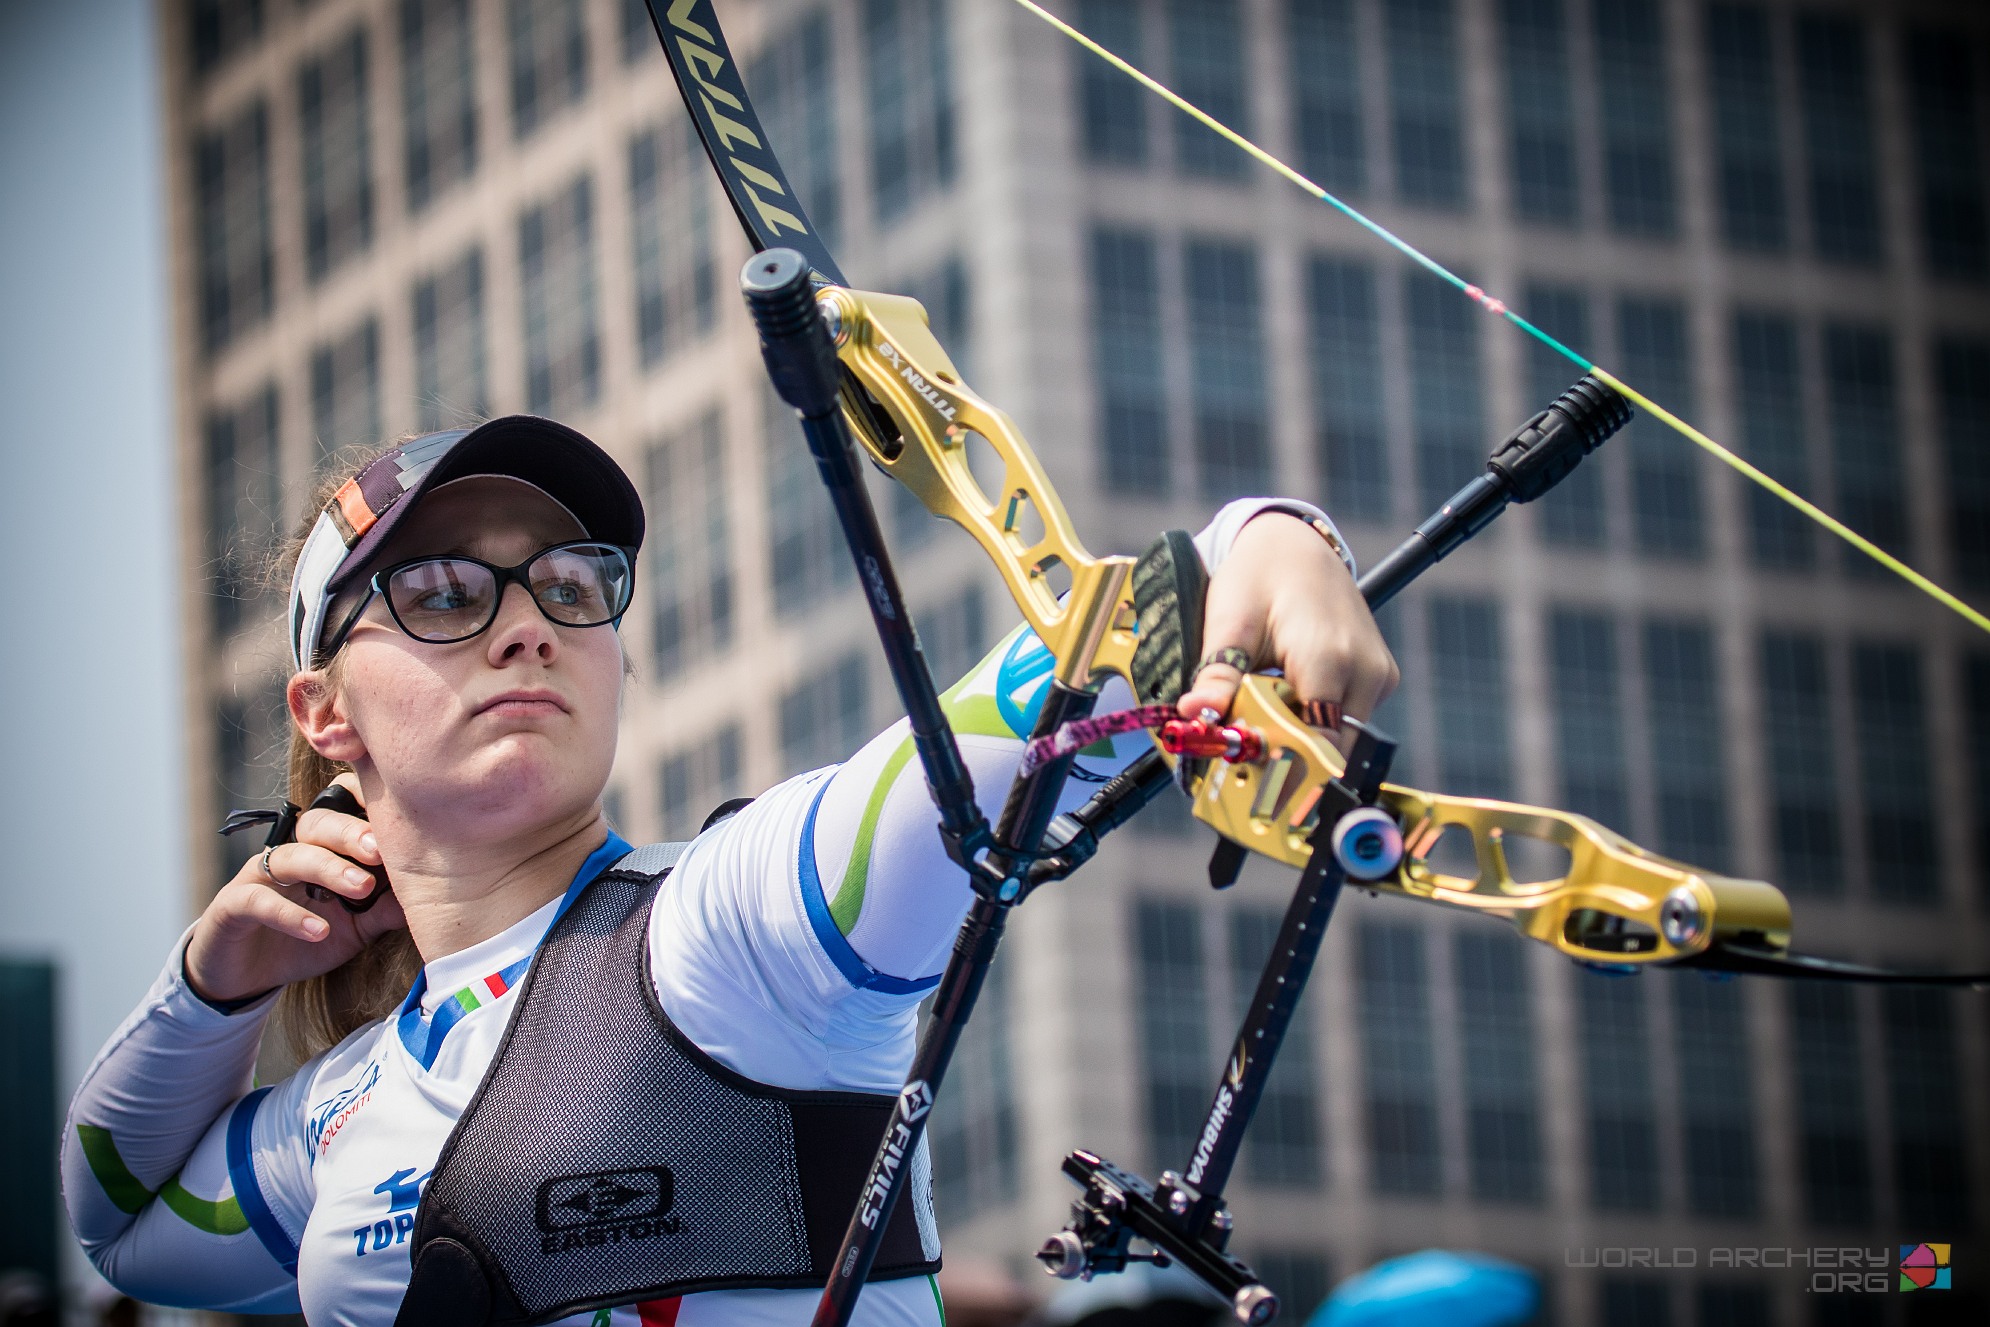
[
  {"x": 268, "y": 908},
  {"x": 292, "y": 864},
  {"x": 1234, "y": 624}
]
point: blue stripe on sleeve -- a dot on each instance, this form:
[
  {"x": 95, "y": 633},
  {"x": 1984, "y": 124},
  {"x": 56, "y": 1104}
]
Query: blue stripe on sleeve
[
  {"x": 249, "y": 1189},
  {"x": 827, "y": 934}
]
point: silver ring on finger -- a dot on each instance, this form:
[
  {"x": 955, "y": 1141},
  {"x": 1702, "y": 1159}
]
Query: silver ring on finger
[{"x": 281, "y": 884}]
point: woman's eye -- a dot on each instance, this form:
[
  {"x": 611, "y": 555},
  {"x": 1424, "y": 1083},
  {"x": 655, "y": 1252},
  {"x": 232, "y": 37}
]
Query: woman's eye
[
  {"x": 564, "y": 593},
  {"x": 444, "y": 599}
]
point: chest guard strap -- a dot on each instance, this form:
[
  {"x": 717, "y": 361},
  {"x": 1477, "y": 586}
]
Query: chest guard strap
[{"x": 606, "y": 1160}]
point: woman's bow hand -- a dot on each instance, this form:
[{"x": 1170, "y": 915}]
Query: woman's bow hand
[{"x": 1285, "y": 600}]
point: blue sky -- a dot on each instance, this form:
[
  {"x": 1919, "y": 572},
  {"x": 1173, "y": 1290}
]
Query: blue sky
[{"x": 93, "y": 872}]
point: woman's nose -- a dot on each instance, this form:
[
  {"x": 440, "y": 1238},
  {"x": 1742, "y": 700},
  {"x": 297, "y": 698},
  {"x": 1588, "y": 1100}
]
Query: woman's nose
[{"x": 521, "y": 628}]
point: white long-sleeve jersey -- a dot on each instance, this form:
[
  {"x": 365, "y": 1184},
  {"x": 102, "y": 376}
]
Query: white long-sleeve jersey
[{"x": 792, "y": 943}]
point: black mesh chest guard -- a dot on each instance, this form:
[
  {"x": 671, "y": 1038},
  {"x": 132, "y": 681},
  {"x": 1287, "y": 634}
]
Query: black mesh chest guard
[{"x": 606, "y": 1160}]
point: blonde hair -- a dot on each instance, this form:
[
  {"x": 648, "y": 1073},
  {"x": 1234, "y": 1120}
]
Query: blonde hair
[{"x": 317, "y": 1013}]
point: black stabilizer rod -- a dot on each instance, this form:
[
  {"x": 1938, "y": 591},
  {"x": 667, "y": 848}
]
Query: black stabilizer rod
[
  {"x": 1534, "y": 458},
  {"x": 801, "y": 360}
]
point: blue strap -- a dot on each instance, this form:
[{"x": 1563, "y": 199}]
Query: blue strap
[
  {"x": 424, "y": 1036},
  {"x": 827, "y": 934},
  {"x": 249, "y": 1189}
]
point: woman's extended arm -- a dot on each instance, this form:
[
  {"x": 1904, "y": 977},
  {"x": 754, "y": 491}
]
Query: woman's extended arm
[
  {"x": 814, "y": 985},
  {"x": 160, "y": 1156}
]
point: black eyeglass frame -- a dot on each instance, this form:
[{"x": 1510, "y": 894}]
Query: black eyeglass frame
[{"x": 505, "y": 576}]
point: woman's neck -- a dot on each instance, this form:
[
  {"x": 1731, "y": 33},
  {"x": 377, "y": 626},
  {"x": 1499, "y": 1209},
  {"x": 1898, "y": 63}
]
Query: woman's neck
[{"x": 459, "y": 894}]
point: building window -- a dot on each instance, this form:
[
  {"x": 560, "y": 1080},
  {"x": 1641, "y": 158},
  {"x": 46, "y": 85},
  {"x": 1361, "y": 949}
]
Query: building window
[
  {"x": 1232, "y": 416},
  {"x": 338, "y": 170},
  {"x": 1976, "y": 680},
  {"x": 237, "y": 264},
  {"x": 1496, "y": 1036},
  {"x": 1832, "y": 1145},
  {"x": 1620, "y": 1114},
  {"x": 1891, "y": 727},
  {"x": 1468, "y": 672},
  {"x": 548, "y": 54},
  {"x": 638, "y": 31},
  {"x": 1573, "y": 515},
  {"x": 452, "y": 378},
  {"x": 1748, "y": 136},
  {"x": 793, "y": 83},
  {"x": 1948, "y": 153},
  {"x": 1634, "y": 1301},
  {"x": 1206, "y": 45},
  {"x": 1589, "y": 725},
  {"x": 345, "y": 392},
  {"x": 692, "y": 783},
  {"x": 1174, "y": 1028},
  {"x": 1865, "y": 440},
  {"x": 1665, "y": 477},
  {"x": 1446, "y": 411},
  {"x": 954, "y": 634},
  {"x": 670, "y": 217},
  {"x": 1425, "y": 114},
  {"x": 1724, "y": 1305},
  {"x": 1283, "y": 1148},
  {"x": 1126, "y": 335},
  {"x": 1300, "y": 1277},
  {"x": 251, "y": 753},
  {"x": 1716, "y": 1107},
  {"x": 1768, "y": 388},
  {"x": 690, "y": 573},
  {"x": 910, "y": 102},
  {"x": 1113, "y": 106},
  {"x": 439, "y": 97},
  {"x": 1399, "y": 1066},
  {"x": 1962, "y": 390},
  {"x": 1325, "y": 68},
  {"x": 244, "y": 504},
  {"x": 1840, "y": 163},
  {"x": 1638, "y": 185},
  {"x": 562, "y": 323},
  {"x": 1683, "y": 692},
  {"x": 1924, "y": 1082},
  {"x": 1540, "y": 111},
  {"x": 1350, "y": 426},
  {"x": 807, "y": 553},
  {"x": 976, "y": 1138},
  {"x": 1800, "y": 744},
  {"x": 222, "y": 29},
  {"x": 823, "y": 719}
]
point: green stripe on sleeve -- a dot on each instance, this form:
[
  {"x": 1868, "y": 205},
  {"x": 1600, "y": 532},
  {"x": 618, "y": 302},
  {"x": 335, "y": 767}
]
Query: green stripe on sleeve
[
  {"x": 120, "y": 1185},
  {"x": 213, "y": 1216},
  {"x": 971, "y": 716},
  {"x": 221, "y": 1216}
]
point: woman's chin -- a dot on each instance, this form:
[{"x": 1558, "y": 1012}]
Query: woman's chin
[{"x": 514, "y": 786}]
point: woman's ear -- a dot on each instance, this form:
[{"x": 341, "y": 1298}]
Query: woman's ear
[{"x": 316, "y": 709}]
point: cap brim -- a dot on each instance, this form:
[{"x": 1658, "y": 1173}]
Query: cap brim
[{"x": 542, "y": 452}]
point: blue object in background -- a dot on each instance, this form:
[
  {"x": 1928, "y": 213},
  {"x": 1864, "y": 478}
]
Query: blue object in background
[{"x": 1434, "y": 1288}]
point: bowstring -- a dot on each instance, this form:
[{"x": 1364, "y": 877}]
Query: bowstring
[{"x": 1500, "y": 309}]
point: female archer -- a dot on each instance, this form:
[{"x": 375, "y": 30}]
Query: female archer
[{"x": 546, "y": 1076}]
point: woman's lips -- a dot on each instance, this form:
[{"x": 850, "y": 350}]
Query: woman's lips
[{"x": 521, "y": 703}]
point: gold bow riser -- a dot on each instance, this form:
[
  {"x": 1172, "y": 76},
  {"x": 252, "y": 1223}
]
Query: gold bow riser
[{"x": 1611, "y": 902}]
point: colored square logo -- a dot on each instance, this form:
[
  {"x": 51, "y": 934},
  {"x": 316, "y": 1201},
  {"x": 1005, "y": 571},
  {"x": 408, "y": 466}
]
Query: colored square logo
[{"x": 1924, "y": 1267}]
